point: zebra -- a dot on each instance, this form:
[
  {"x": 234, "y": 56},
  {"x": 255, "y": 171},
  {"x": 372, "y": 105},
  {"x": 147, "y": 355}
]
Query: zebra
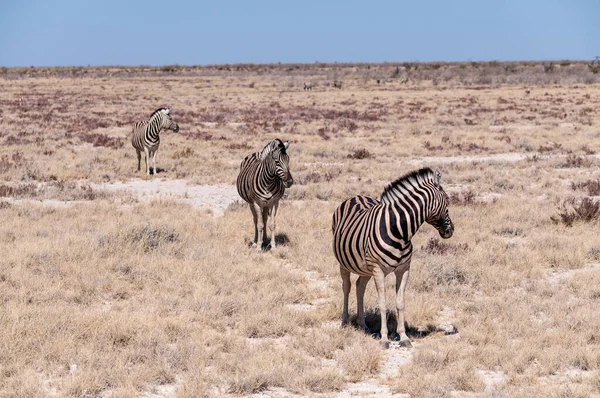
[
  {"x": 307, "y": 86},
  {"x": 337, "y": 84},
  {"x": 372, "y": 238},
  {"x": 261, "y": 183},
  {"x": 145, "y": 135}
]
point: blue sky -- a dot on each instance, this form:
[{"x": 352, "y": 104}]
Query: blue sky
[{"x": 80, "y": 32}]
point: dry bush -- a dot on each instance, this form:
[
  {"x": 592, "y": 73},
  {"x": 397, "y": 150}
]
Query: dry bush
[
  {"x": 591, "y": 186},
  {"x": 437, "y": 247},
  {"x": 572, "y": 210},
  {"x": 184, "y": 153},
  {"x": 360, "y": 359},
  {"x": 466, "y": 198},
  {"x": 102, "y": 140},
  {"x": 19, "y": 191},
  {"x": 573, "y": 161},
  {"x": 360, "y": 154}
]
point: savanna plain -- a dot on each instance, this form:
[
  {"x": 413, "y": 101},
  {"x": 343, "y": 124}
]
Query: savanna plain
[{"x": 118, "y": 284}]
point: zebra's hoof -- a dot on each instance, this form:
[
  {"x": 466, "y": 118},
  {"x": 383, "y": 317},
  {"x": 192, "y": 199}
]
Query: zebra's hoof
[
  {"x": 395, "y": 337},
  {"x": 376, "y": 336},
  {"x": 405, "y": 343}
]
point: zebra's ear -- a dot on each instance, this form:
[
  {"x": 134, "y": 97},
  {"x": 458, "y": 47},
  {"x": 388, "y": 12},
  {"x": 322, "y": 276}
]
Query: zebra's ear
[
  {"x": 438, "y": 176},
  {"x": 167, "y": 111},
  {"x": 286, "y": 144}
]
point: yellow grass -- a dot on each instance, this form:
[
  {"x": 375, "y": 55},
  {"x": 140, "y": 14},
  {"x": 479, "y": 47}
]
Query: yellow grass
[{"x": 109, "y": 295}]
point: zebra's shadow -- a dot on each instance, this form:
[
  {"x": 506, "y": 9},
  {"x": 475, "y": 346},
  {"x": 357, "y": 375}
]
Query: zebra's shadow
[
  {"x": 373, "y": 322},
  {"x": 281, "y": 239},
  {"x": 158, "y": 171}
]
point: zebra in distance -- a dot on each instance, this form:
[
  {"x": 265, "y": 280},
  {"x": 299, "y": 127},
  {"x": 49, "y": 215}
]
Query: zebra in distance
[
  {"x": 308, "y": 86},
  {"x": 145, "y": 137},
  {"x": 262, "y": 180},
  {"x": 372, "y": 238}
]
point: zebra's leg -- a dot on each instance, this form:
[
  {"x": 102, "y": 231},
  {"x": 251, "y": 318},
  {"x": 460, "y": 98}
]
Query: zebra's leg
[
  {"x": 154, "y": 160},
  {"x": 263, "y": 227},
  {"x": 272, "y": 224},
  {"x": 346, "y": 286},
  {"x": 147, "y": 154},
  {"x": 401, "y": 280},
  {"x": 361, "y": 286},
  {"x": 139, "y": 156},
  {"x": 254, "y": 209},
  {"x": 379, "y": 277}
]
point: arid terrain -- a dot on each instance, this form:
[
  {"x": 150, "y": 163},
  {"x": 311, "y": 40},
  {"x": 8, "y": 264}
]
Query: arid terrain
[{"x": 118, "y": 284}]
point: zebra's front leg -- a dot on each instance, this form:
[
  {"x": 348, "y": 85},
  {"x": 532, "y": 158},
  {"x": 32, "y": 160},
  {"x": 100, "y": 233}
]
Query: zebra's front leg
[
  {"x": 272, "y": 224},
  {"x": 263, "y": 227},
  {"x": 147, "y": 158},
  {"x": 154, "y": 160},
  {"x": 254, "y": 209},
  {"x": 361, "y": 286},
  {"x": 346, "y": 286},
  {"x": 379, "y": 277},
  {"x": 401, "y": 281}
]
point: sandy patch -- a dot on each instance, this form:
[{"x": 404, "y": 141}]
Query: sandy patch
[
  {"x": 492, "y": 378},
  {"x": 215, "y": 198},
  {"x": 559, "y": 276}
]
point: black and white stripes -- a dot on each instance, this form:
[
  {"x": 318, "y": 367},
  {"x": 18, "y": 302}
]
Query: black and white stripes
[
  {"x": 145, "y": 137},
  {"x": 261, "y": 183},
  {"x": 373, "y": 238}
]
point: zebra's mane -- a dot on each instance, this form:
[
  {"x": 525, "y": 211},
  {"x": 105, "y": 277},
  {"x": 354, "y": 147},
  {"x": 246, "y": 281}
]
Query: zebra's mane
[
  {"x": 271, "y": 146},
  {"x": 156, "y": 111},
  {"x": 407, "y": 183}
]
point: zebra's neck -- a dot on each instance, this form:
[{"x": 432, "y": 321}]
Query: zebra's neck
[
  {"x": 153, "y": 129},
  {"x": 406, "y": 214},
  {"x": 269, "y": 174}
]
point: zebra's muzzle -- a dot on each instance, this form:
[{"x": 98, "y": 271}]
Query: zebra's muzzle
[
  {"x": 447, "y": 232},
  {"x": 288, "y": 182}
]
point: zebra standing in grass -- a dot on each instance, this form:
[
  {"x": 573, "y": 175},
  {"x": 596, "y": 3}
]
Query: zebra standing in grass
[
  {"x": 261, "y": 183},
  {"x": 146, "y": 138},
  {"x": 371, "y": 238}
]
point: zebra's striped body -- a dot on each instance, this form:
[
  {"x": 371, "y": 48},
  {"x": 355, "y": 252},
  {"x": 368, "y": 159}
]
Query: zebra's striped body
[
  {"x": 261, "y": 183},
  {"x": 372, "y": 238},
  {"x": 145, "y": 136}
]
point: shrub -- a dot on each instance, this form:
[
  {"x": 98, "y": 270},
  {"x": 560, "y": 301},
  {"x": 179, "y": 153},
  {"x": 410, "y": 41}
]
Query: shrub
[
  {"x": 437, "y": 247},
  {"x": 591, "y": 186},
  {"x": 184, "y": 153},
  {"x": 573, "y": 209},
  {"x": 360, "y": 154}
]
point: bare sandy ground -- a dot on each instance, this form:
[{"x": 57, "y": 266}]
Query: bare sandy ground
[{"x": 215, "y": 198}]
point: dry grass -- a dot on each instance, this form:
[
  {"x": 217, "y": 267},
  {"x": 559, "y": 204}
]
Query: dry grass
[{"x": 111, "y": 297}]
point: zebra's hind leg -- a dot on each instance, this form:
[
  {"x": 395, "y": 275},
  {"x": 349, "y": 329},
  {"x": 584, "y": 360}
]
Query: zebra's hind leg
[
  {"x": 254, "y": 209},
  {"x": 272, "y": 224},
  {"x": 361, "y": 286},
  {"x": 346, "y": 286},
  {"x": 139, "y": 156}
]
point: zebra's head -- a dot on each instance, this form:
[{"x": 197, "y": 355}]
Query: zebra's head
[
  {"x": 438, "y": 213},
  {"x": 166, "y": 121},
  {"x": 276, "y": 153}
]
